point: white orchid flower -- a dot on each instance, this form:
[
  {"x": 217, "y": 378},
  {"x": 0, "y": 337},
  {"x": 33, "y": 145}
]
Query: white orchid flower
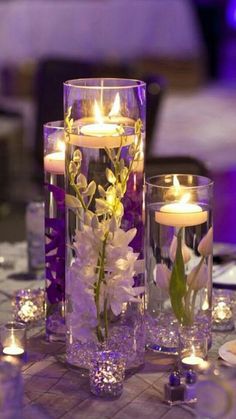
[
  {"x": 206, "y": 244},
  {"x": 186, "y": 252},
  {"x": 120, "y": 266},
  {"x": 161, "y": 276},
  {"x": 198, "y": 277}
]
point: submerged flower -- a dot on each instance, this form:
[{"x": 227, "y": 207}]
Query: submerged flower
[
  {"x": 206, "y": 244},
  {"x": 117, "y": 285},
  {"x": 198, "y": 277},
  {"x": 162, "y": 276},
  {"x": 186, "y": 251}
]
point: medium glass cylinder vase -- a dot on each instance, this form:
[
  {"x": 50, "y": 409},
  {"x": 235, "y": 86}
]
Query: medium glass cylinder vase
[
  {"x": 54, "y": 168},
  {"x": 105, "y": 132},
  {"x": 178, "y": 258}
]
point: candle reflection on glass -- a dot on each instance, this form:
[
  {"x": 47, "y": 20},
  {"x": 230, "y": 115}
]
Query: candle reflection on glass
[{"x": 13, "y": 338}]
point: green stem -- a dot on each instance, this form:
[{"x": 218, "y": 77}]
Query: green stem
[{"x": 101, "y": 263}]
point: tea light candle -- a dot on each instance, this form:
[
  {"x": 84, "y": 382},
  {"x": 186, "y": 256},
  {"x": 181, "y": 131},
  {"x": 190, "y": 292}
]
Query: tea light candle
[
  {"x": 100, "y": 130},
  {"x": 222, "y": 312},
  {"x": 103, "y": 131},
  {"x": 29, "y": 305},
  {"x": 192, "y": 360},
  {"x": 13, "y": 338},
  {"x": 181, "y": 213},
  {"x": 107, "y": 372}
]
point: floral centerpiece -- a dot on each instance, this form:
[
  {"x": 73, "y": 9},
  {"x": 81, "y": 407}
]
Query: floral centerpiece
[
  {"x": 178, "y": 259},
  {"x": 104, "y": 279}
]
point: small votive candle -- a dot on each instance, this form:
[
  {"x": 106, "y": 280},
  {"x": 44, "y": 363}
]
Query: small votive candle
[
  {"x": 222, "y": 311},
  {"x": 29, "y": 305},
  {"x": 193, "y": 348},
  {"x": 11, "y": 391},
  {"x": 107, "y": 372},
  {"x": 13, "y": 339}
]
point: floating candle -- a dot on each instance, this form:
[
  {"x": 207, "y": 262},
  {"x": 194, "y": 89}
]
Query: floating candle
[
  {"x": 55, "y": 163},
  {"x": 181, "y": 215},
  {"x": 103, "y": 131}
]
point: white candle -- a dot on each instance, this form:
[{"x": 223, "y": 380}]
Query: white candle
[
  {"x": 192, "y": 360},
  {"x": 100, "y": 130},
  {"x": 103, "y": 141},
  {"x": 103, "y": 131},
  {"x": 55, "y": 163},
  {"x": 13, "y": 350},
  {"x": 181, "y": 214}
]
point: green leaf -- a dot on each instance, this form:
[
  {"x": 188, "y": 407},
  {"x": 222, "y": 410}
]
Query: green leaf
[{"x": 177, "y": 287}]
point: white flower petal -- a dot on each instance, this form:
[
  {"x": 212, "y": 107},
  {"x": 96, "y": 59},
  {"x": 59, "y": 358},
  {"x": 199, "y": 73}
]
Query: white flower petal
[
  {"x": 198, "y": 278},
  {"x": 186, "y": 251},
  {"x": 162, "y": 276},
  {"x": 206, "y": 244}
]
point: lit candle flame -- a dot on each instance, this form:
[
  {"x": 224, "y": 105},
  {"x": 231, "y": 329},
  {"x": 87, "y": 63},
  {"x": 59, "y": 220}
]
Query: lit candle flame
[
  {"x": 185, "y": 198},
  {"x": 97, "y": 113},
  {"x": 115, "y": 110},
  {"x": 61, "y": 145}
]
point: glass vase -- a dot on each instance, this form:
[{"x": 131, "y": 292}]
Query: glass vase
[
  {"x": 54, "y": 169},
  {"x": 105, "y": 132},
  {"x": 178, "y": 258}
]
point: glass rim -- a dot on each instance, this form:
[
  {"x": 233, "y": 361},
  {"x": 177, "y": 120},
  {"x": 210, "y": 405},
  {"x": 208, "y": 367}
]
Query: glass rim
[
  {"x": 127, "y": 83},
  {"x": 59, "y": 124},
  {"x": 14, "y": 325},
  {"x": 209, "y": 182}
]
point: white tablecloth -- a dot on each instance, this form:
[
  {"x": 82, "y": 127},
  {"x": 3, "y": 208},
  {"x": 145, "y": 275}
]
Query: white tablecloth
[{"x": 95, "y": 29}]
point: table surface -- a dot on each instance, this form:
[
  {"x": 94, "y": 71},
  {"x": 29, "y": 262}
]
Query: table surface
[
  {"x": 53, "y": 390},
  {"x": 98, "y": 29}
]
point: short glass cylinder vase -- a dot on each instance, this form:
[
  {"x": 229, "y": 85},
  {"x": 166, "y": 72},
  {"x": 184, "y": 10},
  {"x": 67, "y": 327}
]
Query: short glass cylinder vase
[
  {"x": 107, "y": 374},
  {"x": 179, "y": 243},
  {"x": 54, "y": 170},
  {"x": 105, "y": 133}
]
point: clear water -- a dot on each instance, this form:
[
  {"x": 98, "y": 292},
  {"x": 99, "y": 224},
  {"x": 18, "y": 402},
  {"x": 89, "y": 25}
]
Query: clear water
[
  {"x": 125, "y": 336},
  {"x": 162, "y": 325}
]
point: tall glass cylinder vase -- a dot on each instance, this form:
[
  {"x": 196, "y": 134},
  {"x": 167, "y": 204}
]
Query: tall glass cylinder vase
[
  {"x": 178, "y": 259},
  {"x": 54, "y": 168},
  {"x": 105, "y": 132}
]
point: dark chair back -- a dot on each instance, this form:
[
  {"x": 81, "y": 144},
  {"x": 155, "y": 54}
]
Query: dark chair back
[{"x": 174, "y": 164}]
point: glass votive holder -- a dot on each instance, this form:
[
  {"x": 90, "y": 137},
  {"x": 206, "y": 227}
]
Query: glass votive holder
[
  {"x": 192, "y": 347},
  {"x": 13, "y": 338},
  {"x": 222, "y": 310},
  {"x": 107, "y": 373},
  {"x": 11, "y": 391},
  {"x": 34, "y": 221},
  {"x": 29, "y": 305}
]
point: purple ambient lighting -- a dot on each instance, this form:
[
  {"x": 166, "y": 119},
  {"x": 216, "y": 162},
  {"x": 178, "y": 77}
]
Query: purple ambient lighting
[{"x": 231, "y": 14}]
